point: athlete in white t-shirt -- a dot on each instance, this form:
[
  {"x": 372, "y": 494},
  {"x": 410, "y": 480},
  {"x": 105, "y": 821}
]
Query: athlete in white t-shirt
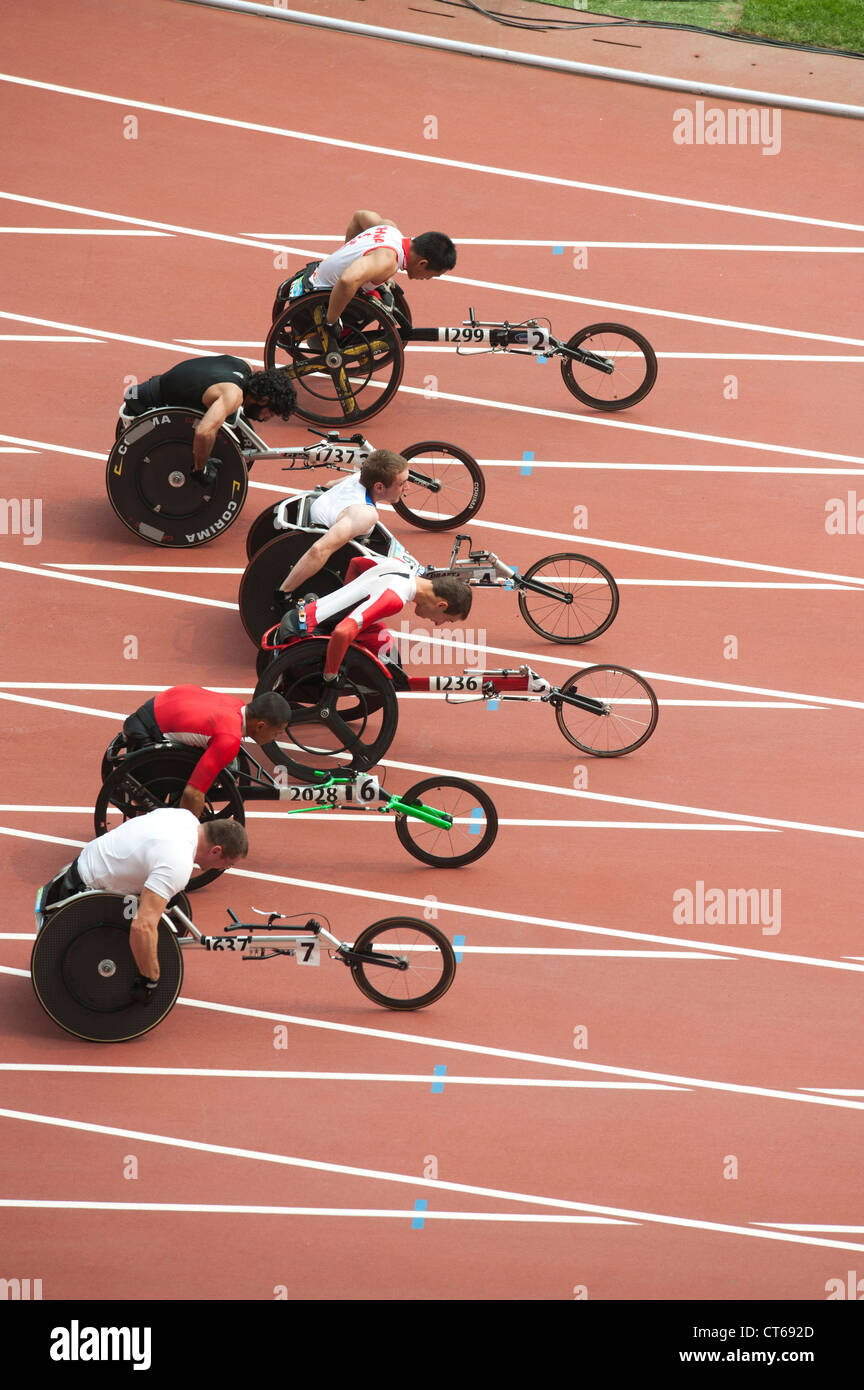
[
  {"x": 348, "y": 510},
  {"x": 373, "y": 252},
  {"x": 150, "y": 857}
]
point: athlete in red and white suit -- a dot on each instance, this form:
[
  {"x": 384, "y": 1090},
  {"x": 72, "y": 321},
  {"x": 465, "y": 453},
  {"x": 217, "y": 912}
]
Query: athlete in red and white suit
[
  {"x": 374, "y": 591},
  {"x": 374, "y": 251}
]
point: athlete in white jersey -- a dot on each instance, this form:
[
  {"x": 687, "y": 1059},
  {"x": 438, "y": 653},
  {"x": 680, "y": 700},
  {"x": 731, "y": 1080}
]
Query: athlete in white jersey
[
  {"x": 373, "y": 252},
  {"x": 348, "y": 510}
]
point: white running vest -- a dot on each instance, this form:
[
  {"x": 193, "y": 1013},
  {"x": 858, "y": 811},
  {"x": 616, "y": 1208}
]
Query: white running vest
[{"x": 329, "y": 271}]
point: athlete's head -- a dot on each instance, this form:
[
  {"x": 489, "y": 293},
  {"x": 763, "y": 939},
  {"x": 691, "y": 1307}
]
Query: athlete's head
[
  {"x": 442, "y": 598},
  {"x": 221, "y": 843},
  {"x": 269, "y": 393},
  {"x": 430, "y": 254},
  {"x": 266, "y": 717},
  {"x": 384, "y": 475}
]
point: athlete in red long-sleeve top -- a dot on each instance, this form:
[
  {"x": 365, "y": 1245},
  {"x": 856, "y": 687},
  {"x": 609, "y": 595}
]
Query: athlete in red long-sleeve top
[
  {"x": 374, "y": 590},
  {"x": 188, "y": 714}
]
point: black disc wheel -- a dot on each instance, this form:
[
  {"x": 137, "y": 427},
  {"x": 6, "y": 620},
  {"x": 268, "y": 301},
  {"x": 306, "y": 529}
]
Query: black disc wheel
[
  {"x": 157, "y": 777},
  {"x": 416, "y": 964},
  {"x": 630, "y": 356},
  {"x": 618, "y": 716},
  {"x": 445, "y": 486},
  {"x": 575, "y": 598},
  {"x": 345, "y": 382},
  {"x": 266, "y": 525},
  {"x": 154, "y": 492},
  {"x": 272, "y": 564},
  {"x": 82, "y": 969},
  {"x": 471, "y": 834},
  {"x": 353, "y": 726}
]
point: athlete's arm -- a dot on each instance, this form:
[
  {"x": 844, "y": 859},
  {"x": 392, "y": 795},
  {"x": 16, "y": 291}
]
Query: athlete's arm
[
  {"x": 144, "y": 932},
  {"x": 221, "y": 749},
  {"x": 363, "y": 220},
  {"x": 377, "y": 266},
  {"x": 221, "y": 400},
  {"x": 354, "y": 521}
]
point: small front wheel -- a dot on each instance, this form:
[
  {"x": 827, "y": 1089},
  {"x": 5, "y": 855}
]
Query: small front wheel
[
  {"x": 607, "y": 710},
  {"x": 411, "y": 964},
  {"x": 632, "y": 360},
  {"x": 445, "y": 486},
  {"x": 568, "y": 598},
  {"x": 471, "y": 834}
]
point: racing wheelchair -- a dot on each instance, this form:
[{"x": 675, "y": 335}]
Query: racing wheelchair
[
  {"x": 353, "y": 375},
  {"x": 82, "y": 967},
  {"x": 155, "y": 494}
]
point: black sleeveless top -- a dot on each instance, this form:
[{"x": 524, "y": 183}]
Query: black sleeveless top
[{"x": 185, "y": 384}]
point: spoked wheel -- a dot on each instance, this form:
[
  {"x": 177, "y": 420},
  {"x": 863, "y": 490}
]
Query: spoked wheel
[
  {"x": 354, "y": 727},
  {"x": 272, "y": 564},
  {"x": 83, "y": 968},
  {"x": 579, "y": 598},
  {"x": 634, "y": 366},
  {"x": 265, "y": 527},
  {"x": 157, "y": 777},
  {"x": 472, "y": 834},
  {"x": 445, "y": 486},
  {"x": 346, "y": 383},
  {"x": 417, "y": 964},
  {"x": 624, "y": 713},
  {"x": 152, "y": 488}
]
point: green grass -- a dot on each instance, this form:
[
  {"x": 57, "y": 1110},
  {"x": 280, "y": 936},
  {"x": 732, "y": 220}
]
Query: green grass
[{"x": 822, "y": 23}]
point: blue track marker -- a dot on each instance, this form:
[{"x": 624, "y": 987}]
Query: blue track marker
[
  {"x": 527, "y": 460},
  {"x": 458, "y": 943},
  {"x": 492, "y": 705},
  {"x": 419, "y": 1208},
  {"x": 557, "y": 250},
  {"x": 477, "y": 821},
  {"x": 438, "y": 1086},
  {"x": 542, "y": 361}
]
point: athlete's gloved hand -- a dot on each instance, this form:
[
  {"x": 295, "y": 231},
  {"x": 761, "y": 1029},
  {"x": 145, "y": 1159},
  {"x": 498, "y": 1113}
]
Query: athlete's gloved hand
[
  {"x": 334, "y": 330},
  {"x": 206, "y": 475},
  {"x": 283, "y": 601},
  {"x": 143, "y": 989}
]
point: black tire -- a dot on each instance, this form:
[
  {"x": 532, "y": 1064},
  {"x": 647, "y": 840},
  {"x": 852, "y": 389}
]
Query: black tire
[
  {"x": 82, "y": 969},
  {"x": 619, "y": 731},
  {"x": 627, "y": 385},
  {"x": 446, "y": 481},
  {"x": 272, "y": 564},
  {"x": 264, "y": 528},
  {"x": 156, "y": 777},
  {"x": 151, "y": 489},
  {"x": 430, "y": 979},
  {"x": 595, "y": 598},
  {"x": 366, "y": 706},
  {"x": 400, "y": 303},
  {"x": 372, "y": 366},
  {"x": 449, "y": 849}
]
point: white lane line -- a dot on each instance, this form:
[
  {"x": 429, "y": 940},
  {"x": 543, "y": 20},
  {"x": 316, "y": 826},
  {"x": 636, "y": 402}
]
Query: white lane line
[
  {"x": 730, "y": 442},
  {"x": 634, "y": 583},
  {"x": 353, "y": 818},
  {"x": 576, "y": 245},
  {"x": 78, "y": 231},
  {"x": 509, "y": 1054},
  {"x": 563, "y": 951},
  {"x": 487, "y": 913},
  {"x": 810, "y": 1226},
  {"x": 406, "y": 1179},
  {"x": 441, "y": 162},
  {"x": 481, "y": 352},
  {"x": 496, "y": 285},
  {"x": 378, "y": 1213},
  {"x": 125, "y": 588},
  {"x": 422, "y": 1078},
  {"x": 48, "y": 338}
]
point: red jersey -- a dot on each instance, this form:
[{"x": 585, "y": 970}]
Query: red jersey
[{"x": 188, "y": 714}]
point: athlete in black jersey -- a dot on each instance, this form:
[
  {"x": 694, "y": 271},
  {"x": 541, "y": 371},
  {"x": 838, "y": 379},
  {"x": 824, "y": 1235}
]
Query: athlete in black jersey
[{"x": 222, "y": 386}]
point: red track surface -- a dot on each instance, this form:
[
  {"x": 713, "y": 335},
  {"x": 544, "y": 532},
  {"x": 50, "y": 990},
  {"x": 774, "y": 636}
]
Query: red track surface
[{"x": 743, "y": 1041}]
